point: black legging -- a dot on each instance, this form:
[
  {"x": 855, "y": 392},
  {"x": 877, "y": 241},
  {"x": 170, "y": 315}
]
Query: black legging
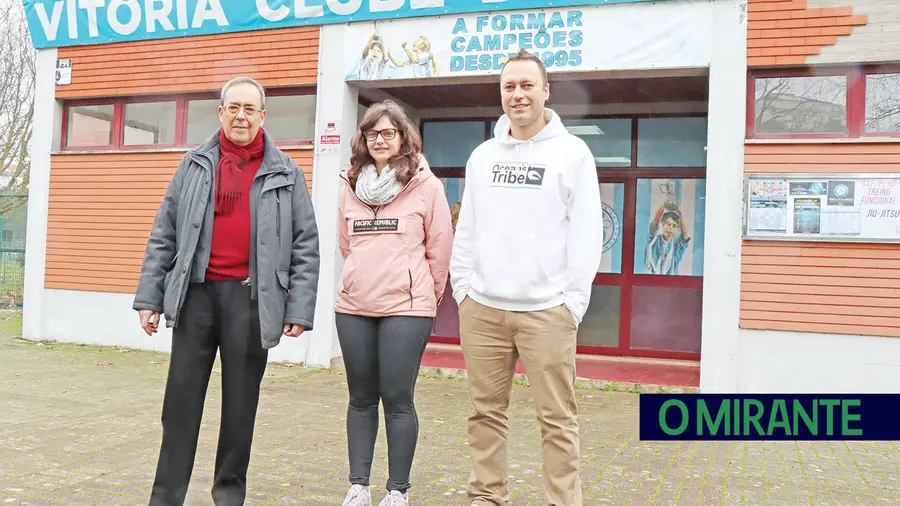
[{"x": 381, "y": 358}]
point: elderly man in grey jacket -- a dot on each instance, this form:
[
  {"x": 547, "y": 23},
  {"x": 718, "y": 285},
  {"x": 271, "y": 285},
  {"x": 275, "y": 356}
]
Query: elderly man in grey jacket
[{"x": 232, "y": 263}]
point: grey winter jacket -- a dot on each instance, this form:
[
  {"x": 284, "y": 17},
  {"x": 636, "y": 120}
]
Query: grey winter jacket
[{"x": 284, "y": 251}]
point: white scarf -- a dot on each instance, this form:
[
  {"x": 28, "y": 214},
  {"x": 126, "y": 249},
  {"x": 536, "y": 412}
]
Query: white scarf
[{"x": 377, "y": 190}]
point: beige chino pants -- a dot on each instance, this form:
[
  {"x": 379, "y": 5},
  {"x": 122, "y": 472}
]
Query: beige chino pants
[{"x": 492, "y": 342}]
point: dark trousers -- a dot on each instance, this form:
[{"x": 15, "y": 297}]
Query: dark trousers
[
  {"x": 216, "y": 315},
  {"x": 382, "y": 358}
]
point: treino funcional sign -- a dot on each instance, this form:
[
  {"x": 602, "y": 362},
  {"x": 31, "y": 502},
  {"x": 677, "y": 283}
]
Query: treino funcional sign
[{"x": 56, "y": 23}]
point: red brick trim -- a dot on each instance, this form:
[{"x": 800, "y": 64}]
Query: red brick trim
[{"x": 785, "y": 32}]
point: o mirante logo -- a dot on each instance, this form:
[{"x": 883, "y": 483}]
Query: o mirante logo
[{"x": 795, "y": 417}]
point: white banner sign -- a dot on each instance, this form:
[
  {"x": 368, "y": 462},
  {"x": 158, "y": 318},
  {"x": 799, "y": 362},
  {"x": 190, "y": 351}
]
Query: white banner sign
[{"x": 609, "y": 37}]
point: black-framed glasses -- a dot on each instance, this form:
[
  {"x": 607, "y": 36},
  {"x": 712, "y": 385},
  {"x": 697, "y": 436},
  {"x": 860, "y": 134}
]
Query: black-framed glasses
[{"x": 387, "y": 134}]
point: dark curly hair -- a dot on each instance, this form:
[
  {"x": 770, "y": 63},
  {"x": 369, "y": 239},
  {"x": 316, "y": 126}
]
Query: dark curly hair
[{"x": 407, "y": 160}]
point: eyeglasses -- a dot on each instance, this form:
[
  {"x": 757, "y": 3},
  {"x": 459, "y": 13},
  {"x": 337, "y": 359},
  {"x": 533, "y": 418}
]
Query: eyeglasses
[
  {"x": 249, "y": 110},
  {"x": 387, "y": 134}
]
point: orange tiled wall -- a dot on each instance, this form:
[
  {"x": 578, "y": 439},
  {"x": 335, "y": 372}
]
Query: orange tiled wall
[
  {"x": 282, "y": 57},
  {"x": 836, "y": 288},
  {"x": 100, "y": 211},
  {"x": 101, "y": 204}
]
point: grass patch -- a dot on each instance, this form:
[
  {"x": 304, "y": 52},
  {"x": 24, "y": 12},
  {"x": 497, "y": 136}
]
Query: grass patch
[{"x": 11, "y": 323}]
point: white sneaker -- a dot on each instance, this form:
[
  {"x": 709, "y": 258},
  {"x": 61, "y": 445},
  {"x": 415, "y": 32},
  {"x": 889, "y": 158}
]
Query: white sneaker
[
  {"x": 358, "y": 495},
  {"x": 394, "y": 498}
]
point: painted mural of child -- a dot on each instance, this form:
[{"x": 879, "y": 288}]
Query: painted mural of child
[
  {"x": 665, "y": 249},
  {"x": 421, "y": 58},
  {"x": 375, "y": 59}
]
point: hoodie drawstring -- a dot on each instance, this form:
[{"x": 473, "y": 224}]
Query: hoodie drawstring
[{"x": 530, "y": 152}]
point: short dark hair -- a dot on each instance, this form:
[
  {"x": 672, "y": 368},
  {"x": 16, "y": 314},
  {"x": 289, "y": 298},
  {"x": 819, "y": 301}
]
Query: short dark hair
[
  {"x": 524, "y": 55},
  {"x": 672, "y": 215}
]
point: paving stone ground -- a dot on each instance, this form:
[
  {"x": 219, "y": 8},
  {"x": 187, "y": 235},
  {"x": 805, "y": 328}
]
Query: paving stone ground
[{"x": 79, "y": 425}]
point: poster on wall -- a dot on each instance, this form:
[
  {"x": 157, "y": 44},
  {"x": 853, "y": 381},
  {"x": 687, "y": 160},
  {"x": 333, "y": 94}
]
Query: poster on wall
[
  {"x": 863, "y": 207},
  {"x": 670, "y": 223},
  {"x": 612, "y": 197},
  {"x": 768, "y": 206},
  {"x": 807, "y": 215},
  {"x": 64, "y": 72},
  {"x": 584, "y": 38}
]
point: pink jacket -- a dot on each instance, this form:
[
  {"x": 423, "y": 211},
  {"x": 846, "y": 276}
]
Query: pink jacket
[{"x": 397, "y": 257}]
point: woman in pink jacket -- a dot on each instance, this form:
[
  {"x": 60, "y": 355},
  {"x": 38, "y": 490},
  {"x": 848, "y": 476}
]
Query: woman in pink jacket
[{"x": 395, "y": 236}]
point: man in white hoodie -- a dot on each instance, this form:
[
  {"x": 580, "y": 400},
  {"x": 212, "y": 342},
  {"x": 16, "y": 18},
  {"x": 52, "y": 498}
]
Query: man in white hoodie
[{"x": 527, "y": 247}]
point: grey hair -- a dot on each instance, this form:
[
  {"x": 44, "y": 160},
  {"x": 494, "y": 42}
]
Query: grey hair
[{"x": 243, "y": 80}]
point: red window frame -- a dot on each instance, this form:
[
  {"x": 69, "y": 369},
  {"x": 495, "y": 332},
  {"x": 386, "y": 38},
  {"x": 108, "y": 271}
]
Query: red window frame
[
  {"x": 181, "y": 104},
  {"x": 856, "y": 99}
]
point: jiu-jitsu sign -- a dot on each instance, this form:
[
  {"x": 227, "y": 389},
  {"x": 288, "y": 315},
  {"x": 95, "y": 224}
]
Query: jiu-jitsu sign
[{"x": 56, "y": 23}]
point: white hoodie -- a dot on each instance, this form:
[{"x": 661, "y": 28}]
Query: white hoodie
[{"x": 530, "y": 230}]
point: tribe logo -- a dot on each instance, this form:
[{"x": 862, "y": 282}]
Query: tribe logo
[
  {"x": 517, "y": 175},
  {"x": 611, "y": 228}
]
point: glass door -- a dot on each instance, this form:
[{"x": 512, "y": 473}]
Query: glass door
[
  {"x": 646, "y": 297},
  {"x": 447, "y": 145}
]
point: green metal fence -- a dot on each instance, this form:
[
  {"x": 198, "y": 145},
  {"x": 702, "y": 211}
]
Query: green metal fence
[{"x": 13, "y": 211}]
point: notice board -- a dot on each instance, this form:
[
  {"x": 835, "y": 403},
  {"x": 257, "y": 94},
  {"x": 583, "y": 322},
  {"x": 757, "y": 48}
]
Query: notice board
[{"x": 822, "y": 207}]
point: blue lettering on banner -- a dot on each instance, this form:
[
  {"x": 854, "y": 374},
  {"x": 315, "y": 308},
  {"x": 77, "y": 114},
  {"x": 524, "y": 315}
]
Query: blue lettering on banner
[
  {"x": 58, "y": 23},
  {"x": 554, "y": 37}
]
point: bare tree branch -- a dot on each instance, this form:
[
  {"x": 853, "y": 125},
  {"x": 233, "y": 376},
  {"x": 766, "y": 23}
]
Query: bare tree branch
[
  {"x": 17, "y": 79},
  {"x": 801, "y": 105},
  {"x": 883, "y": 102},
  {"x": 818, "y": 104}
]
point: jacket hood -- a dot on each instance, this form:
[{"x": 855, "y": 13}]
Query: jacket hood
[
  {"x": 554, "y": 128},
  {"x": 423, "y": 173}
]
